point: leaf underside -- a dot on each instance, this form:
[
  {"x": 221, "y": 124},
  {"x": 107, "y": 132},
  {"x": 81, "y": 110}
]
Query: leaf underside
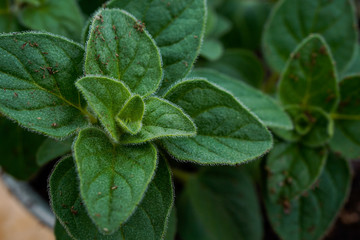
[{"x": 130, "y": 116}]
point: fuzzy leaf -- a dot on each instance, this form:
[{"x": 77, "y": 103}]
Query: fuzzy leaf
[
  {"x": 227, "y": 132},
  {"x": 310, "y": 216},
  {"x": 18, "y": 150},
  {"x": 240, "y": 64},
  {"x": 51, "y": 149},
  {"x": 60, "y": 17},
  {"x": 161, "y": 119},
  {"x": 178, "y": 28},
  {"x": 131, "y": 114},
  {"x": 60, "y": 232},
  {"x": 120, "y": 47},
  {"x": 262, "y": 105},
  {"x": 292, "y": 169},
  {"x": 310, "y": 77},
  {"x": 37, "y": 75},
  {"x": 347, "y": 135},
  {"x": 106, "y": 97},
  {"x": 113, "y": 178},
  {"x": 294, "y": 20},
  {"x": 220, "y": 203},
  {"x": 148, "y": 221}
]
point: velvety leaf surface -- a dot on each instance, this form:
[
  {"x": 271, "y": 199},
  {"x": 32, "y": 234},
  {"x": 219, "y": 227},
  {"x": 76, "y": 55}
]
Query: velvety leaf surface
[
  {"x": 293, "y": 20},
  {"x": 121, "y": 48},
  {"x": 172, "y": 225},
  {"x": 60, "y": 232},
  {"x": 60, "y": 17},
  {"x": 106, "y": 97},
  {"x": 347, "y": 134},
  {"x": 131, "y": 114},
  {"x": 177, "y": 27},
  {"x": 220, "y": 203},
  {"x": 113, "y": 178},
  {"x": 259, "y": 103},
  {"x": 161, "y": 119},
  {"x": 37, "y": 75},
  {"x": 148, "y": 221},
  {"x": 18, "y": 150},
  {"x": 240, "y": 64},
  {"x": 310, "y": 216},
  {"x": 292, "y": 169},
  {"x": 227, "y": 133},
  {"x": 51, "y": 149},
  {"x": 313, "y": 127},
  {"x": 310, "y": 77}
]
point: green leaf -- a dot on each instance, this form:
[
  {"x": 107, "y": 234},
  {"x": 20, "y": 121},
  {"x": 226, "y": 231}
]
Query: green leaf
[
  {"x": 51, "y": 149},
  {"x": 106, "y": 97},
  {"x": 227, "y": 133},
  {"x": 18, "y": 150},
  {"x": 8, "y": 21},
  {"x": 220, "y": 203},
  {"x": 294, "y": 20},
  {"x": 343, "y": 143},
  {"x": 60, "y": 17},
  {"x": 310, "y": 216},
  {"x": 354, "y": 68},
  {"x": 292, "y": 169},
  {"x": 37, "y": 75},
  {"x": 310, "y": 78},
  {"x": 216, "y": 24},
  {"x": 161, "y": 119},
  {"x": 212, "y": 49},
  {"x": 120, "y": 47},
  {"x": 131, "y": 114},
  {"x": 262, "y": 105},
  {"x": 60, "y": 232},
  {"x": 347, "y": 134},
  {"x": 148, "y": 221},
  {"x": 240, "y": 64},
  {"x": 113, "y": 178},
  {"x": 313, "y": 127},
  {"x": 248, "y": 18},
  {"x": 172, "y": 225},
  {"x": 178, "y": 28}
]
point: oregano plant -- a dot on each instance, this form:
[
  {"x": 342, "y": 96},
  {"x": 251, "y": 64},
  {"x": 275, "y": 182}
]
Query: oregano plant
[{"x": 246, "y": 111}]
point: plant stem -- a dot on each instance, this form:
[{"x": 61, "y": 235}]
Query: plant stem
[{"x": 337, "y": 116}]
